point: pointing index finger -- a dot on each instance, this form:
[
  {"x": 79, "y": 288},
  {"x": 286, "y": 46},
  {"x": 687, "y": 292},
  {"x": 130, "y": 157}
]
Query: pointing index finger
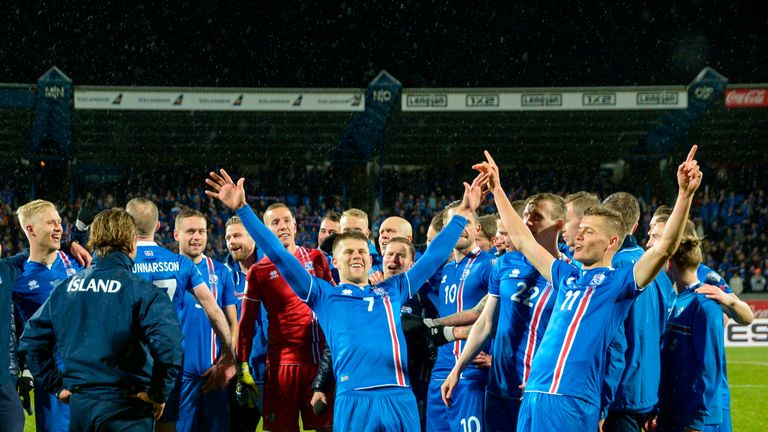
[{"x": 692, "y": 153}]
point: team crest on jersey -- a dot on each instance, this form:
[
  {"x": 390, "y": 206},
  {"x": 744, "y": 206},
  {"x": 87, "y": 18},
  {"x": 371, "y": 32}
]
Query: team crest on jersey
[
  {"x": 714, "y": 276},
  {"x": 347, "y": 292},
  {"x": 71, "y": 271},
  {"x": 149, "y": 253},
  {"x": 597, "y": 280},
  {"x": 273, "y": 274},
  {"x": 406, "y": 309},
  {"x": 33, "y": 285},
  {"x": 380, "y": 292},
  {"x": 309, "y": 266},
  {"x": 465, "y": 274}
]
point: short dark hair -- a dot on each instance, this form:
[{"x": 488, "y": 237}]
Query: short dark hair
[
  {"x": 406, "y": 242},
  {"x": 662, "y": 213},
  {"x": 627, "y": 206},
  {"x": 350, "y": 235},
  {"x": 332, "y": 216}
]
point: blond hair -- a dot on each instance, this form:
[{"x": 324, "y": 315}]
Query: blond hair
[
  {"x": 627, "y": 206},
  {"x": 581, "y": 201},
  {"x": 557, "y": 204},
  {"x": 31, "y": 209},
  {"x": 112, "y": 230},
  {"x": 356, "y": 213},
  {"x": 145, "y": 215}
]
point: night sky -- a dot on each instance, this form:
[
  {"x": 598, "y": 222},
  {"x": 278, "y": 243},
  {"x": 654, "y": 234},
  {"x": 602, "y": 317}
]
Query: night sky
[{"x": 345, "y": 44}]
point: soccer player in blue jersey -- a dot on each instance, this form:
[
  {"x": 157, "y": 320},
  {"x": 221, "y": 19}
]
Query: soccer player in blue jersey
[
  {"x": 563, "y": 389},
  {"x": 464, "y": 282},
  {"x": 176, "y": 275},
  {"x": 692, "y": 374},
  {"x": 360, "y": 321},
  {"x": 633, "y": 369},
  {"x": 357, "y": 220},
  {"x": 198, "y": 409},
  {"x": 731, "y": 304},
  {"x": 516, "y": 314},
  {"x": 46, "y": 267},
  {"x": 575, "y": 205}
]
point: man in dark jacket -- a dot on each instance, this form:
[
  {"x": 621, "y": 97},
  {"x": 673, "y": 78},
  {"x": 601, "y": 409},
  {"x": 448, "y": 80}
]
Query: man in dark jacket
[{"x": 118, "y": 334}]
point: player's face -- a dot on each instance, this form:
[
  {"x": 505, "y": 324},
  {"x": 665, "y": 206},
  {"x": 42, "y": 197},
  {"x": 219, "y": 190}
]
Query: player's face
[
  {"x": 280, "y": 221},
  {"x": 503, "y": 241},
  {"x": 482, "y": 241},
  {"x": 397, "y": 259},
  {"x": 192, "y": 235},
  {"x": 239, "y": 242},
  {"x": 45, "y": 229},
  {"x": 592, "y": 240},
  {"x": 390, "y": 228},
  {"x": 571, "y": 226},
  {"x": 655, "y": 233},
  {"x": 467, "y": 238},
  {"x": 351, "y": 223},
  {"x": 327, "y": 227},
  {"x": 353, "y": 259},
  {"x": 538, "y": 219}
]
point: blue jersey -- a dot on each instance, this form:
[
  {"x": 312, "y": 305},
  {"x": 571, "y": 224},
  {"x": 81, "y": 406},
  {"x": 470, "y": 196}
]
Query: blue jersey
[
  {"x": 591, "y": 304},
  {"x": 200, "y": 342},
  {"x": 692, "y": 371},
  {"x": 525, "y": 302},
  {"x": 169, "y": 271},
  {"x": 462, "y": 286},
  {"x": 33, "y": 287},
  {"x": 361, "y": 324},
  {"x": 709, "y": 276}
]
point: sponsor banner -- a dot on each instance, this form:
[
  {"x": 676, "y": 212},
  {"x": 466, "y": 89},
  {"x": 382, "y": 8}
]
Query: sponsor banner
[
  {"x": 755, "y": 334},
  {"x": 543, "y": 100},
  {"x": 746, "y": 98},
  {"x": 218, "y": 101},
  {"x": 759, "y": 308}
]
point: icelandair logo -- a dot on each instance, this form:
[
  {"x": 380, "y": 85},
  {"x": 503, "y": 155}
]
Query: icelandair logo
[
  {"x": 179, "y": 99},
  {"x": 96, "y": 285},
  {"x": 118, "y": 100},
  {"x": 238, "y": 101},
  {"x": 298, "y": 100}
]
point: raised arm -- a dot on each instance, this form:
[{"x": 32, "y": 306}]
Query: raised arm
[
  {"x": 441, "y": 246},
  {"x": 233, "y": 196},
  {"x": 652, "y": 261},
  {"x": 519, "y": 233}
]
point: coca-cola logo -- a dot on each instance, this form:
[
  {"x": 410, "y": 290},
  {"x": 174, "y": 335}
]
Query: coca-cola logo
[{"x": 746, "y": 98}]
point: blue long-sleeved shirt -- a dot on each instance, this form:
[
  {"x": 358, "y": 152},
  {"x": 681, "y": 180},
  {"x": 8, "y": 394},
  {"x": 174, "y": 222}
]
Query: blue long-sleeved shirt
[
  {"x": 633, "y": 365},
  {"x": 118, "y": 333},
  {"x": 361, "y": 324},
  {"x": 691, "y": 394}
]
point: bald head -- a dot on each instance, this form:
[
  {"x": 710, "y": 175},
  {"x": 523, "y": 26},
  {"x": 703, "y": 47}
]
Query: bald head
[
  {"x": 145, "y": 214},
  {"x": 394, "y": 227}
]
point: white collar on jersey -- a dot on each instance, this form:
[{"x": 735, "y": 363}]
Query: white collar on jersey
[{"x": 145, "y": 243}]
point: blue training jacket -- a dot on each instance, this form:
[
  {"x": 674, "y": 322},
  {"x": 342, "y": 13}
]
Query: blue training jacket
[
  {"x": 633, "y": 363},
  {"x": 117, "y": 333}
]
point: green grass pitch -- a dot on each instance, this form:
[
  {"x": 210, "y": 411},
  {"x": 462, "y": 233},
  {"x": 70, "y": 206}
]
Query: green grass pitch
[{"x": 748, "y": 377}]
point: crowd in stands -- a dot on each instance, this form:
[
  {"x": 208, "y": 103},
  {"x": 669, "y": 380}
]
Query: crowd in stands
[{"x": 731, "y": 212}]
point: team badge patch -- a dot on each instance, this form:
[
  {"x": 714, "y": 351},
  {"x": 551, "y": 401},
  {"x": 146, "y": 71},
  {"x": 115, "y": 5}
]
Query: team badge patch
[
  {"x": 380, "y": 292},
  {"x": 597, "y": 280}
]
